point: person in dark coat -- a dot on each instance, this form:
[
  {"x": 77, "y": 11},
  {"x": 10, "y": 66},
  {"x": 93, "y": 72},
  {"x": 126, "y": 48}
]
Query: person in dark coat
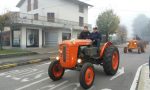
[
  {"x": 96, "y": 37},
  {"x": 85, "y": 34}
]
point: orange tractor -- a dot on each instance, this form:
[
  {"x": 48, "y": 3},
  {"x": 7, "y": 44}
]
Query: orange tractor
[
  {"x": 135, "y": 44},
  {"x": 81, "y": 55}
]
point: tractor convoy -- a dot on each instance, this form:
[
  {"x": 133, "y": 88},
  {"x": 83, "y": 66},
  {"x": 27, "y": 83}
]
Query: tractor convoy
[
  {"x": 81, "y": 55},
  {"x": 138, "y": 45}
]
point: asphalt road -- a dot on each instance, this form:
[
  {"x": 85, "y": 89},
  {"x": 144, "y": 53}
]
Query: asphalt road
[{"x": 35, "y": 77}]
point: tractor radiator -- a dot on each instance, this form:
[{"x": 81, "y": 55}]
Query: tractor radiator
[{"x": 64, "y": 53}]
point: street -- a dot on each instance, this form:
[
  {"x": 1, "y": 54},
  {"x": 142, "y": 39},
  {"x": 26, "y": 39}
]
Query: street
[{"x": 35, "y": 77}]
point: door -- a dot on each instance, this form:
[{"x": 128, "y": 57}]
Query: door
[
  {"x": 32, "y": 38},
  {"x": 51, "y": 38}
]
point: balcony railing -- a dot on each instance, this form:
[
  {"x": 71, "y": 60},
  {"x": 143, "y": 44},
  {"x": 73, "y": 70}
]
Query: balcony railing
[{"x": 23, "y": 18}]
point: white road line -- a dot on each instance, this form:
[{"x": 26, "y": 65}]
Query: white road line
[
  {"x": 134, "y": 83},
  {"x": 31, "y": 74},
  {"x": 36, "y": 77},
  {"x": 58, "y": 85},
  {"x": 26, "y": 73},
  {"x": 18, "y": 78},
  {"x": 26, "y": 86},
  {"x": 21, "y": 73},
  {"x": 17, "y": 71},
  {"x": 43, "y": 64},
  {"x": 119, "y": 73},
  {"x": 106, "y": 89}
]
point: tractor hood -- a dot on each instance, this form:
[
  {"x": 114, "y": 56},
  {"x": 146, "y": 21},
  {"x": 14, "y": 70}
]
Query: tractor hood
[{"x": 78, "y": 42}]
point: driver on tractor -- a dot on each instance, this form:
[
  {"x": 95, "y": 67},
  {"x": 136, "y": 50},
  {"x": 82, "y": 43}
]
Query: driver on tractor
[
  {"x": 85, "y": 34},
  {"x": 96, "y": 37}
]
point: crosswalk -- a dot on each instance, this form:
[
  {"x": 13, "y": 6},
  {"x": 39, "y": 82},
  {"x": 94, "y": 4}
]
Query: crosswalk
[{"x": 24, "y": 75}]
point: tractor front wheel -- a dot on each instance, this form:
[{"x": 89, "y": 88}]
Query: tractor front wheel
[
  {"x": 87, "y": 75},
  {"x": 111, "y": 60},
  {"x": 55, "y": 71}
]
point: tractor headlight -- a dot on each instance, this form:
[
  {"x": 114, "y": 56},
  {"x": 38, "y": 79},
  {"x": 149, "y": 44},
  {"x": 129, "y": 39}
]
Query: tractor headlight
[
  {"x": 127, "y": 43},
  {"x": 134, "y": 43},
  {"x": 57, "y": 58},
  {"x": 79, "y": 60}
]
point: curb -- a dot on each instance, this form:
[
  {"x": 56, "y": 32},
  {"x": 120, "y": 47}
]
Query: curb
[
  {"x": 20, "y": 63},
  {"x": 137, "y": 77}
]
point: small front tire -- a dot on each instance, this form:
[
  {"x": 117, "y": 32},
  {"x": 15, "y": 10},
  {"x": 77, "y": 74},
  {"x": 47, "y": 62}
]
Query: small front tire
[
  {"x": 55, "y": 71},
  {"x": 87, "y": 75}
]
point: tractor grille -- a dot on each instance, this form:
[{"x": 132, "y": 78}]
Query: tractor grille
[{"x": 64, "y": 53}]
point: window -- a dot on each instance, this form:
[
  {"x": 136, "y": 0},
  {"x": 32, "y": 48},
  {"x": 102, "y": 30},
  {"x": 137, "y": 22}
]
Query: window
[
  {"x": 36, "y": 16},
  {"x": 66, "y": 36},
  {"x": 35, "y": 5},
  {"x": 16, "y": 37},
  {"x": 81, "y": 21},
  {"x": 51, "y": 17},
  {"x": 29, "y": 5},
  {"x": 81, "y": 8}
]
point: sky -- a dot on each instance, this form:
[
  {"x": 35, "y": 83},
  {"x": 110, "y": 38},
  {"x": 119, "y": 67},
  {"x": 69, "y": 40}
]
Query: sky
[{"x": 127, "y": 10}]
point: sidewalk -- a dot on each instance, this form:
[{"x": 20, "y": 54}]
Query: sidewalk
[
  {"x": 144, "y": 79},
  {"x": 44, "y": 54}
]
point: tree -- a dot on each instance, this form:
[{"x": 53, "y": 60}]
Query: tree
[
  {"x": 3, "y": 22},
  {"x": 140, "y": 24},
  {"x": 122, "y": 33},
  {"x": 108, "y": 23}
]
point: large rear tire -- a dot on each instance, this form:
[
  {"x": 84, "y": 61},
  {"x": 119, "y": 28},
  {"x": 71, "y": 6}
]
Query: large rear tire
[
  {"x": 111, "y": 60},
  {"x": 87, "y": 75},
  {"x": 55, "y": 71},
  {"x": 139, "y": 50},
  {"x": 125, "y": 49},
  {"x": 142, "y": 49}
]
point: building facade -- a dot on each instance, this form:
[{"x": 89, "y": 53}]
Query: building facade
[{"x": 47, "y": 22}]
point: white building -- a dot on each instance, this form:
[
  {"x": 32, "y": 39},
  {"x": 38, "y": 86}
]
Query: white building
[{"x": 47, "y": 22}]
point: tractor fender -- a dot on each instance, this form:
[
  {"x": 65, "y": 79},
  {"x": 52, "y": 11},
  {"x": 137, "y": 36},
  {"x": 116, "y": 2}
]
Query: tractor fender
[{"x": 102, "y": 49}]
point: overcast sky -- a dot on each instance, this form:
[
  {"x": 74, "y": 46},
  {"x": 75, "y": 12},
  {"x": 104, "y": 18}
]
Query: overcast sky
[{"x": 127, "y": 10}]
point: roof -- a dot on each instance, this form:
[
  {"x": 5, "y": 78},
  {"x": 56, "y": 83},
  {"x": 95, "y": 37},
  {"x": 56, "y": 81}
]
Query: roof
[
  {"x": 20, "y": 3},
  {"x": 81, "y": 2},
  {"x": 77, "y": 1}
]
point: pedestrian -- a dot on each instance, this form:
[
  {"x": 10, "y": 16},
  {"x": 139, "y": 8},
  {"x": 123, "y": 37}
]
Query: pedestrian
[
  {"x": 85, "y": 34},
  {"x": 96, "y": 37}
]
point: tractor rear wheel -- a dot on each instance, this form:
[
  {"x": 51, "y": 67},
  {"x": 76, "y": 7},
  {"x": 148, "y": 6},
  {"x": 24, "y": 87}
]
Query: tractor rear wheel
[
  {"x": 125, "y": 49},
  {"x": 55, "y": 71},
  {"x": 139, "y": 50},
  {"x": 142, "y": 49},
  {"x": 111, "y": 60},
  {"x": 87, "y": 75}
]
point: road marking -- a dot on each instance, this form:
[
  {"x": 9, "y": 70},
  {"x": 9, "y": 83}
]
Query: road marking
[
  {"x": 43, "y": 64},
  {"x": 31, "y": 74},
  {"x": 26, "y": 86},
  {"x": 31, "y": 84},
  {"x": 71, "y": 84},
  {"x": 58, "y": 85},
  {"x": 135, "y": 81},
  {"x": 106, "y": 89},
  {"x": 20, "y": 73},
  {"x": 36, "y": 77},
  {"x": 119, "y": 73}
]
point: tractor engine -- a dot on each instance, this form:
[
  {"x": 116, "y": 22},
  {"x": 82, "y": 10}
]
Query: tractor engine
[{"x": 69, "y": 52}]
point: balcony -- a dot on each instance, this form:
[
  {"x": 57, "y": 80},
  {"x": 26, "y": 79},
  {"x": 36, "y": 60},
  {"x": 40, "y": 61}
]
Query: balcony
[{"x": 28, "y": 19}]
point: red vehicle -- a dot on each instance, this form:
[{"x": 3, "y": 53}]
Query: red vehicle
[{"x": 81, "y": 55}]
